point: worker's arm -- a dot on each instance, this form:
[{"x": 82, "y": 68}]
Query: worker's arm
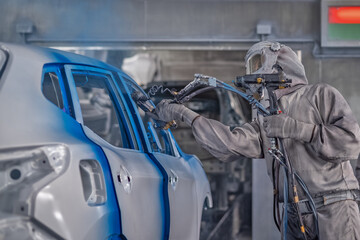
[
  {"x": 217, "y": 138},
  {"x": 226, "y": 144}
]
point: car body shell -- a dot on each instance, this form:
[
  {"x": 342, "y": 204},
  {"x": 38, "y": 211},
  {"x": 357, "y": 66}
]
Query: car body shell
[{"x": 86, "y": 188}]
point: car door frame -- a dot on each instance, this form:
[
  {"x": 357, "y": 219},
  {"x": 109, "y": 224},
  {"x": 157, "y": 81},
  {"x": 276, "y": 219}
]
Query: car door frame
[
  {"x": 71, "y": 224},
  {"x": 110, "y": 150}
]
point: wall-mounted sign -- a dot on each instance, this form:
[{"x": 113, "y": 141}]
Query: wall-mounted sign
[{"x": 340, "y": 23}]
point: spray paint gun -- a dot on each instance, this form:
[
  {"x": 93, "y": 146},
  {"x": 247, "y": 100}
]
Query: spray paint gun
[
  {"x": 270, "y": 82},
  {"x": 142, "y": 100},
  {"x": 195, "y": 87}
]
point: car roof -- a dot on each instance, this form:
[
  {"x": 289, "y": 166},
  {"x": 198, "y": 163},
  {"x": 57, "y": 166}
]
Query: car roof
[
  {"x": 32, "y": 59},
  {"x": 43, "y": 55}
]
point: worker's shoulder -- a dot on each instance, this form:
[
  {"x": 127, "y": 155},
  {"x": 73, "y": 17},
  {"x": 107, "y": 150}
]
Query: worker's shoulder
[{"x": 321, "y": 88}]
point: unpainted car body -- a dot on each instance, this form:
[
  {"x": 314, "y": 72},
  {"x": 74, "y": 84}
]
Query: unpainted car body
[{"x": 77, "y": 162}]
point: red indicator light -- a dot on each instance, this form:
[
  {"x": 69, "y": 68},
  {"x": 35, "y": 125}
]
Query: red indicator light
[{"x": 347, "y": 15}]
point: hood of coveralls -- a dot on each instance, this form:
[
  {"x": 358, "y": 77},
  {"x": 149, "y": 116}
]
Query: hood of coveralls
[{"x": 275, "y": 53}]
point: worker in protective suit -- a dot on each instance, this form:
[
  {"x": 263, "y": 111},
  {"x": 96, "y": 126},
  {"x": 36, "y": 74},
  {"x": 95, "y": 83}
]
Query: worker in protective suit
[{"x": 320, "y": 135}]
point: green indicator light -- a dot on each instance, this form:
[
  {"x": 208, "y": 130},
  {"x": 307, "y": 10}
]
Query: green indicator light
[{"x": 344, "y": 31}]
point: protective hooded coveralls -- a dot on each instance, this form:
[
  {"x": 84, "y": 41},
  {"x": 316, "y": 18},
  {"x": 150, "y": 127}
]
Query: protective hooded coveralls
[{"x": 319, "y": 132}]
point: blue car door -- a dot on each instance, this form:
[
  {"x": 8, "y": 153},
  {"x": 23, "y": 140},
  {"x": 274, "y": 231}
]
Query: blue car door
[
  {"x": 106, "y": 120},
  {"x": 181, "y": 188}
]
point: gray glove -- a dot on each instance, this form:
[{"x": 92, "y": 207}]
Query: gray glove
[
  {"x": 283, "y": 126},
  {"x": 167, "y": 111}
]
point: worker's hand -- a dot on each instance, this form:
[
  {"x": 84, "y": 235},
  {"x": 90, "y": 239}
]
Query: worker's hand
[
  {"x": 167, "y": 111},
  {"x": 283, "y": 126}
]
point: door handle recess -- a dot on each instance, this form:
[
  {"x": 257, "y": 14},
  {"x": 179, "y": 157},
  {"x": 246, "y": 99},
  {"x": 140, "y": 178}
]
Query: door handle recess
[
  {"x": 124, "y": 177},
  {"x": 173, "y": 179}
]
